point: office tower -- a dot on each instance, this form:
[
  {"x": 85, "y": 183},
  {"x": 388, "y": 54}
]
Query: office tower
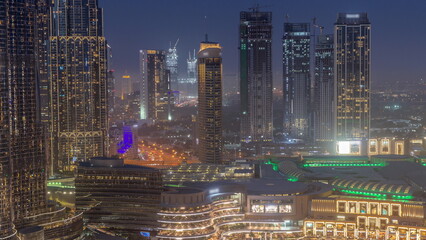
[
  {"x": 209, "y": 119},
  {"x": 188, "y": 84},
  {"x": 256, "y": 76},
  {"x": 122, "y": 198},
  {"x": 156, "y": 96},
  {"x": 143, "y": 88},
  {"x": 78, "y": 75},
  {"x": 22, "y": 158},
  {"x": 192, "y": 68},
  {"x": 352, "y": 51},
  {"x": 324, "y": 89},
  {"x": 172, "y": 65},
  {"x": 126, "y": 87},
  {"x": 297, "y": 80},
  {"x": 110, "y": 82}
]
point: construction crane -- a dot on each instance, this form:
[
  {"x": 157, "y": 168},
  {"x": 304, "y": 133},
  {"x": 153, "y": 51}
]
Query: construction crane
[
  {"x": 177, "y": 41},
  {"x": 174, "y": 47}
]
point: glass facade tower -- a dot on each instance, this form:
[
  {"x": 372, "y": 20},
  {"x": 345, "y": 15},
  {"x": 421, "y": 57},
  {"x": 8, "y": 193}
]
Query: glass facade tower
[
  {"x": 22, "y": 152},
  {"x": 256, "y": 76},
  {"x": 156, "y": 95},
  {"x": 78, "y": 83},
  {"x": 352, "y": 52},
  {"x": 324, "y": 89},
  {"x": 297, "y": 79}
]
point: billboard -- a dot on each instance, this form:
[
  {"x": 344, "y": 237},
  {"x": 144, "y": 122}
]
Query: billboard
[{"x": 348, "y": 148}]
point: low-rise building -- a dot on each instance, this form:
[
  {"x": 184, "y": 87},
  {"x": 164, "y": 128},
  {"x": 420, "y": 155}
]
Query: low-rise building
[{"x": 122, "y": 198}]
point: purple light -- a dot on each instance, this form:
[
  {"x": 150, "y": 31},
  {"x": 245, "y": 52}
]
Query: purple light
[{"x": 127, "y": 142}]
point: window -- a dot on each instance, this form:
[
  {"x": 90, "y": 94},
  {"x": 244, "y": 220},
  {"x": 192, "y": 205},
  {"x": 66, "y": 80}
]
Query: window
[
  {"x": 341, "y": 207},
  {"x": 395, "y": 210}
]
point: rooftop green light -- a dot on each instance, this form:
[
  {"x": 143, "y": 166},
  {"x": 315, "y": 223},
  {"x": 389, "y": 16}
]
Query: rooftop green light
[{"x": 344, "y": 164}]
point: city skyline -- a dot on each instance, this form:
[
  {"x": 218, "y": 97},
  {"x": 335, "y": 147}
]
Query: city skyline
[
  {"x": 276, "y": 134},
  {"x": 224, "y": 28}
]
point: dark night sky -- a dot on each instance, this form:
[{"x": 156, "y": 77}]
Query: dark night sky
[{"x": 398, "y": 37}]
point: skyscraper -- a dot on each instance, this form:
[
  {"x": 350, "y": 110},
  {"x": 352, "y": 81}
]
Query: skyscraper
[
  {"x": 111, "y": 82},
  {"x": 297, "y": 79},
  {"x": 78, "y": 75},
  {"x": 191, "y": 80},
  {"x": 192, "y": 68},
  {"x": 126, "y": 86},
  {"x": 352, "y": 51},
  {"x": 156, "y": 95},
  {"x": 188, "y": 84},
  {"x": 22, "y": 158},
  {"x": 256, "y": 76},
  {"x": 210, "y": 146},
  {"x": 172, "y": 65},
  {"x": 324, "y": 89}
]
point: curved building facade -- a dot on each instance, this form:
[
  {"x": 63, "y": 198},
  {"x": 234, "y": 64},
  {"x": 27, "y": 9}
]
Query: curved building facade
[
  {"x": 210, "y": 147},
  {"x": 226, "y": 210}
]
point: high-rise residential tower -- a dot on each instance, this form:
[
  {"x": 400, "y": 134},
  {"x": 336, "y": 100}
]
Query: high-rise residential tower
[
  {"x": 324, "y": 89},
  {"x": 352, "y": 51},
  {"x": 210, "y": 142},
  {"x": 297, "y": 79},
  {"x": 156, "y": 96},
  {"x": 22, "y": 153},
  {"x": 256, "y": 76},
  {"x": 78, "y": 88}
]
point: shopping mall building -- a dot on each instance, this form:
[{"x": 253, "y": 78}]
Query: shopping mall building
[{"x": 280, "y": 209}]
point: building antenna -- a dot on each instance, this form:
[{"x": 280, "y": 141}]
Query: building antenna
[
  {"x": 314, "y": 23},
  {"x": 287, "y": 17},
  {"x": 205, "y": 26}
]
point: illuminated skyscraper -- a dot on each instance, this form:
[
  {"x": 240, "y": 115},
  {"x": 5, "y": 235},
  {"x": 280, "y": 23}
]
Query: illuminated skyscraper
[
  {"x": 210, "y": 147},
  {"x": 172, "y": 65},
  {"x": 156, "y": 96},
  {"x": 188, "y": 84},
  {"x": 78, "y": 75},
  {"x": 352, "y": 51},
  {"x": 22, "y": 153},
  {"x": 297, "y": 80},
  {"x": 126, "y": 86},
  {"x": 192, "y": 68},
  {"x": 324, "y": 89},
  {"x": 111, "y": 81},
  {"x": 256, "y": 76}
]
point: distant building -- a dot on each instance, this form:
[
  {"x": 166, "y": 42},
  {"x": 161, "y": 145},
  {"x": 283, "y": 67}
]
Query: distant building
[
  {"x": 78, "y": 76},
  {"x": 352, "y": 51},
  {"x": 188, "y": 85},
  {"x": 172, "y": 65},
  {"x": 120, "y": 197},
  {"x": 157, "y": 98},
  {"x": 210, "y": 147},
  {"x": 324, "y": 89},
  {"x": 297, "y": 79},
  {"x": 256, "y": 76},
  {"x": 126, "y": 86},
  {"x": 110, "y": 83}
]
